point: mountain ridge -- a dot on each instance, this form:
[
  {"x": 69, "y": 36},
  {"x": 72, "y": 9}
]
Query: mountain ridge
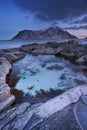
[
  {"x": 85, "y": 38},
  {"x": 51, "y": 33}
]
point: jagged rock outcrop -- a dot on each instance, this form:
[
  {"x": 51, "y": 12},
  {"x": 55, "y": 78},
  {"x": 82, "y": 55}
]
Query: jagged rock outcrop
[
  {"x": 52, "y": 33},
  {"x": 6, "y": 98}
]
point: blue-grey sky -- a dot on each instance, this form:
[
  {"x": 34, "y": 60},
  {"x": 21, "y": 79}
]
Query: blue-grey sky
[{"x": 16, "y": 15}]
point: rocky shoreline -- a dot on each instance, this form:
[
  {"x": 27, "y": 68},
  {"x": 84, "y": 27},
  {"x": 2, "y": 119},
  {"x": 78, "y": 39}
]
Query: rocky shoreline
[{"x": 27, "y": 117}]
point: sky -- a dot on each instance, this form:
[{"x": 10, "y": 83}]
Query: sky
[{"x": 17, "y": 15}]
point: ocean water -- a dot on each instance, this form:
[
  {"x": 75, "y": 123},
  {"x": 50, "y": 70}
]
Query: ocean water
[
  {"x": 45, "y": 72},
  {"x": 4, "y": 44}
]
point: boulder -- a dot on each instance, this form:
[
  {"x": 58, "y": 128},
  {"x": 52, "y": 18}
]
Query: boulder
[
  {"x": 11, "y": 57},
  {"x": 82, "y": 60},
  {"x": 14, "y": 56}
]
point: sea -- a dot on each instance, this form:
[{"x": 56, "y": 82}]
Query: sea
[{"x": 5, "y": 44}]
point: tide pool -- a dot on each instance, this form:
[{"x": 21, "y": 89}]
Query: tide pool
[{"x": 45, "y": 72}]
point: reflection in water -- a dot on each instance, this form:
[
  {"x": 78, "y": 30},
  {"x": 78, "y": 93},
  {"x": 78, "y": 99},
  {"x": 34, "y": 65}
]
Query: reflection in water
[
  {"x": 45, "y": 72},
  {"x": 41, "y": 96}
]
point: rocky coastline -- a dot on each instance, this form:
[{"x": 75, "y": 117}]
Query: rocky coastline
[{"x": 38, "y": 116}]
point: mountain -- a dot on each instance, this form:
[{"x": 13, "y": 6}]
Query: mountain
[
  {"x": 85, "y": 38},
  {"x": 52, "y": 33}
]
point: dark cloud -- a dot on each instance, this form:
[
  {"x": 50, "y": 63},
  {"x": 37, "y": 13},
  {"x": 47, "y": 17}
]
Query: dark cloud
[
  {"x": 54, "y": 9},
  {"x": 76, "y": 27},
  {"x": 84, "y": 20}
]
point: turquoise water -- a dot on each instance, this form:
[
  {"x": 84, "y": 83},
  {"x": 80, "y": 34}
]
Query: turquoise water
[{"x": 46, "y": 72}]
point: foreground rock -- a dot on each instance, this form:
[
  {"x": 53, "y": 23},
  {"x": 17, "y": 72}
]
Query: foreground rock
[
  {"x": 21, "y": 118},
  {"x": 39, "y": 116},
  {"x": 6, "y": 98},
  {"x": 63, "y": 120}
]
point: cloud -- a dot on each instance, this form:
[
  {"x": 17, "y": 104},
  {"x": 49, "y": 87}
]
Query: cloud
[
  {"x": 82, "y": 20},
  {"x": 54, "y": 9},
  {"x": 74, "y": 27},
  {"x": 68, "y": 14}
]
